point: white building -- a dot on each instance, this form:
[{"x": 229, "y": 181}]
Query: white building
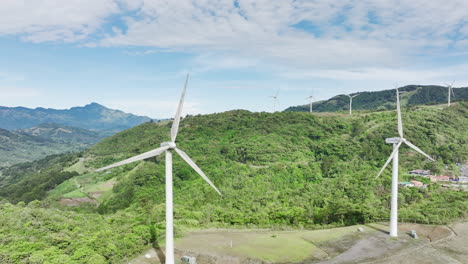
[{"x": 463, "y": 179}]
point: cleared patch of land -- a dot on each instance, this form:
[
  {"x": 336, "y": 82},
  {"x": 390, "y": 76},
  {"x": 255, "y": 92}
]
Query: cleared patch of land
[
  {"x": 337, "y": 245},
  {"x": 449, "y": 250}
]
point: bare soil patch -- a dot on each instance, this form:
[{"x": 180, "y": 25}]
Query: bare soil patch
[{"x": 77, "y": 201}]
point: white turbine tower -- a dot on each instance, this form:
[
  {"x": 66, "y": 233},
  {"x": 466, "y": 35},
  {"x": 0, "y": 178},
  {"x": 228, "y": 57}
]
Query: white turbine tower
[
  {"x": 450, "y": 92},
  {"x": 311, "y": 98},
  {"x": 351, "y": 103},
  {"x": 394, "y": 156},
  {"x": 275, "y": 100},
  {"x": 168, "y": 147}
]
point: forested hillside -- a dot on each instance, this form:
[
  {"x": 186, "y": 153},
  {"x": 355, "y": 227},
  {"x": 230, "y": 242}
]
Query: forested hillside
[
  {"x": 24, "y": 145},
  {"x": 385, "y": 100},
  {"x": 274, "y": 170}
]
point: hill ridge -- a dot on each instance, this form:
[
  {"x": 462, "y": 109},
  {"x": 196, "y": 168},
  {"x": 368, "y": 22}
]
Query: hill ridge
[{"x": 385, "y": 99}]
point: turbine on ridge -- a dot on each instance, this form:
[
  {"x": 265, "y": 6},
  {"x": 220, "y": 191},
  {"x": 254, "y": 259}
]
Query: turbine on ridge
[
  {"x": 450, "y": 91},
  {"x": 311, "y": 98},
  {"x": 351, "y": 103},
  {"x": 397, "y": 142},
  {"x": 168, "y": 147},
  {"x": 275, "y": 100}
]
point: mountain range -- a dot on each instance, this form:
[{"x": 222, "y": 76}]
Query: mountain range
[
  {"x": 93, "y": 117},
  {"x": 385, "y": 100},
  {"x": 29, "y": 134}
]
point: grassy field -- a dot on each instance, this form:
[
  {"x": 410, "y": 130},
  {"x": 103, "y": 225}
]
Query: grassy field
[
  {"x": 78, "y": 167},
  {"x": 75, "y": 194},
  {"x": 274, "y": 246},
  {"x": 336, "y": 245}
]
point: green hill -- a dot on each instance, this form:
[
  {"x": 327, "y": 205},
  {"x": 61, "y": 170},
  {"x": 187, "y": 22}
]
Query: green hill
[
  {"x": 385, "y": 100},
  {"x": 274, "y": 170}
]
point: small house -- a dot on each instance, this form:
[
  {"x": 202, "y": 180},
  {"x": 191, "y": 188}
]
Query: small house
[
  {"x": 417, "y": 183},
  {"x": 406, "y": 184},
  {"x": 433, "y": 178},
  {"x": 443, "y": 178}
]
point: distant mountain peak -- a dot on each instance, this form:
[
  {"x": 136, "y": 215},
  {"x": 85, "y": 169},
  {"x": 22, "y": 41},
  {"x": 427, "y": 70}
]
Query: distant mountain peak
[
  {"x": 95, "y": 105},
  {"x": 93, "y": 116}
]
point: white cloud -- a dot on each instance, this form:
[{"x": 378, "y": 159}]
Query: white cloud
[
  {"x": 54, "y": 20},
  {"x": 366, "y": 33},
  {"x": 353, "y": 40},
  {"x": 363, "y": 32}
]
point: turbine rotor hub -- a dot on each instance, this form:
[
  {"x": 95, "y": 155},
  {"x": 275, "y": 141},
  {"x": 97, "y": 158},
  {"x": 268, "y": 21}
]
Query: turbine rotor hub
[{"x": 171, "y": 145}]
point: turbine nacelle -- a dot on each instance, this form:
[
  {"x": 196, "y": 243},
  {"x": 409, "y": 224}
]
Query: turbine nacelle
[
  {"x": 170, "y": 145},
  {"x": 394, "y": 140}
]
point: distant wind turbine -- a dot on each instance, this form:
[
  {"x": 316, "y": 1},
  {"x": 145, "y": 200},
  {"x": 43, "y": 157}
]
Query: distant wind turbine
[
  {"x": 394, "y": 156},
  {"x": 351, "y": 103},
  {"x": 275, "y": 100},
  {"x": 168, "y": 147},
  {"x": 311, "y": 98},
  {"x": 450, "y": 91}
]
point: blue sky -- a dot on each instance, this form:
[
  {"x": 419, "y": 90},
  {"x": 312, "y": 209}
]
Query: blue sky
[{"x": 133, "y": 54}]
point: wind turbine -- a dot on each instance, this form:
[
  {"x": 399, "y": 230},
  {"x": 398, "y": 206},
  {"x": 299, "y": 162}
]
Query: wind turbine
[
  {"x": 168, "y": 147},
  {"x": 397, "y": 141},
  {"x": 275, "y": 100},
  {"x": 450, "y": 91},
  {"x": 311, "y": 98},
  {"x": 351, "y": 103}
]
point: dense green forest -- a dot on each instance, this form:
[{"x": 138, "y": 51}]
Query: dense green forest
[
  {"x": 385, "y": 100},
  {"x": 281, "y": 170}
]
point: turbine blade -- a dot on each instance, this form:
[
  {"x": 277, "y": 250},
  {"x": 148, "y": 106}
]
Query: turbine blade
[
  {"x": 196, "y": 168},
  {"x": 389, "y": 158},
  {"x": 277, "y": 92},
  {"x": 451, "y": 89},
  {"x": 175, "y": 124},
  {"x": 149, "y": 154},
  {"x": 418, "y": 150},
  {"x": 400, "y": 123}
]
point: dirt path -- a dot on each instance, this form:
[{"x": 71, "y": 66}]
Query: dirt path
[{"x": 450, "y": 250}]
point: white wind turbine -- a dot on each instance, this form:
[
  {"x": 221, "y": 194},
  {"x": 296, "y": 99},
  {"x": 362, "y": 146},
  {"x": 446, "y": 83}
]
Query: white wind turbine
[
  {"x": 275, "y": 100},
  {"x": 311, "y": 98},
  {"x": 450, "y": 91},
  {"x": 351, "y": 103},
  {"x": 168, "y": 147},
  {"x": 394, "y": 156}
]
